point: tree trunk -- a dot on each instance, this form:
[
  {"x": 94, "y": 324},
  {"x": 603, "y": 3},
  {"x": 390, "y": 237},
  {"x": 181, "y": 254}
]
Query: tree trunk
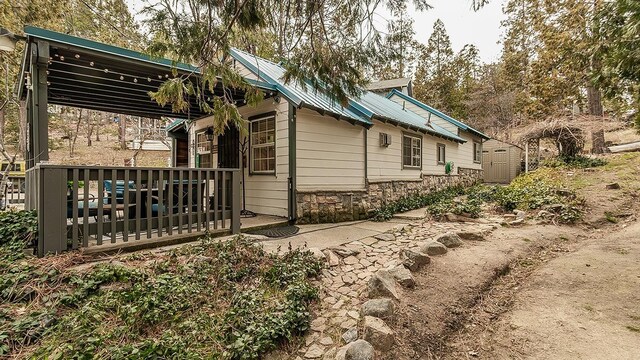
[
  {"x": 2, "y": 113},
  {"x": 122, "y": 133},
  {"x": 594, "y": 98}
]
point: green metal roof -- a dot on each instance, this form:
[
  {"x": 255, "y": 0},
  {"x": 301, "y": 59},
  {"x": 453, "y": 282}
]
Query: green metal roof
[
  {"x": 436, "y": 112},
  {"x": 103, "y": 48}
]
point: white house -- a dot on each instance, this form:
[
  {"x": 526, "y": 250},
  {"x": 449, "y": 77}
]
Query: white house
[{"x": 310, "y": 159}]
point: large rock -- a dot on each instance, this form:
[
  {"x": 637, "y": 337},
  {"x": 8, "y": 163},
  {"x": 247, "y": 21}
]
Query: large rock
[
  {"x": 357, "y": 350},
  {"x": 385, "y": 237},
  {"x": 432, "y": 248},
  {"x": 350, "y": 335},
  {"x": 414, "y": 259},
  {"x": 474, "y": 235},
  {"x": 382, "y": 284},
  {"x": 380, "y": 308},
  {"x": 450, "y": 240},
  {"x": 317, "y": 253},
  {"x": 344, "y": 251},
  {"x": 403, "y": 276},
  {"x": 314, "y": 352},
  {"x": 332, "y": 258},
  {"x": 378, "y": 333}
]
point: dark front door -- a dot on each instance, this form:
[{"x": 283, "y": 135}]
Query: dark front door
[{"x": 229, "y": 149}]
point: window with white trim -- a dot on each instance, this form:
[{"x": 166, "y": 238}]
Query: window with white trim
[
  {"x": 263, "y": 145},
  {"x": 477, "y": 152},
  {"x": 411, "y": 151},
  {"x": 441, "y": 154}
]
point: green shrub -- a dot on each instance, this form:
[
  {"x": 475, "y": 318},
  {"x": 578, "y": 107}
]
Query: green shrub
[
  {"x": 18, "y": 228},
  {"x": 216, "y": 300},
  {"x": 578, "y": 161},
  {"x": 434, "y": 201}
]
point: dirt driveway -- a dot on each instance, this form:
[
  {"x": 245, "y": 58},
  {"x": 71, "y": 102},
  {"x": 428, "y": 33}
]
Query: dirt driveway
[{"x": 583, "y": 305}]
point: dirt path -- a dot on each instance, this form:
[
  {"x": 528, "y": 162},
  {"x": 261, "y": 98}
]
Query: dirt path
[
  {"x": 583, "y": 305},
  {"x": 539, "y": 292}
]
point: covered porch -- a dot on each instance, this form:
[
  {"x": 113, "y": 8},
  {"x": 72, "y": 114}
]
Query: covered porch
[{"x": 96, "y": 206}]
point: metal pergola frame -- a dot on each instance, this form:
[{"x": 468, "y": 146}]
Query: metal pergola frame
[{"x": 65, "y": 70}]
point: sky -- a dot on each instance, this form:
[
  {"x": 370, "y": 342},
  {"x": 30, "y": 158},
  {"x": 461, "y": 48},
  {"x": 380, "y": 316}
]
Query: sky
[{"x": 465, "y": 26}]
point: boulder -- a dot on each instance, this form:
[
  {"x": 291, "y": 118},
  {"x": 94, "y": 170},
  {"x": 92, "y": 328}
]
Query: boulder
[
  {"x": 385, "y": 237},
  {"x": 403, "y": 277},
  {"x": 378, "y": 333},
  {"x": 382, "y": 284},
  {"x": 317, "y": 253},
  {"x": 332, "y": 258},
  {"x": 432, "y": 248},
  {"x": 351, "y": 335},
  {"x": 344, "y": 251},
  {"x": 314, "y": 352},
  {"x": 516, "y": 222},
  {"x": 380, "y": 308},
  {"x": 564, "y": 192},
  {"x": 357, "y": 350},
  {"x": 544, "y": 214},
  {"x": 520, "y": 214},
  {"x": 450, "y": 240},
  {"x": 474, "y": 235},
  {"x": 414, "y": 259},
  {"x": 613, "y": 186}
]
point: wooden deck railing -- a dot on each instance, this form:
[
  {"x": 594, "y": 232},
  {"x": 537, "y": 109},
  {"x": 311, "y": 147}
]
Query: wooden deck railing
[{"x": 95, "y": 205}]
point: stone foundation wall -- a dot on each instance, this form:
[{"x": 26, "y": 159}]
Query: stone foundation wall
[{"x": 336, "y": 206}]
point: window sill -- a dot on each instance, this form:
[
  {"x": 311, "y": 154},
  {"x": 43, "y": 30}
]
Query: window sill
[
  {"x": 405, "y": 167},
  {"x": 270, "y": 173}
]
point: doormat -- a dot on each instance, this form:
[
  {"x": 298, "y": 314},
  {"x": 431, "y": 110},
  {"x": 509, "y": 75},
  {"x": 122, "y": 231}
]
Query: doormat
[{"x": 278, "y": 232}]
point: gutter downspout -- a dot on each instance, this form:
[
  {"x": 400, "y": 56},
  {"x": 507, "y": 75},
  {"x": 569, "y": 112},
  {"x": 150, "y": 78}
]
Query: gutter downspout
[{"x": 291, "y": 183}]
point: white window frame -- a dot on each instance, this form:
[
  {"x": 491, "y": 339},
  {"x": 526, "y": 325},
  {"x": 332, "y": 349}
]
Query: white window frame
[
  {"x": 441, "y": 147},
  {"x": 477, "y": 152},
  {"x": 416, "y": 151},
  {"x": 253, "y": 123}
]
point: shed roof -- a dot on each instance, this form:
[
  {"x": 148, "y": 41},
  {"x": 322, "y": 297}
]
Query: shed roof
[
  {"x": 436, "y": 112},
  {"x": 388, "y": 84}
]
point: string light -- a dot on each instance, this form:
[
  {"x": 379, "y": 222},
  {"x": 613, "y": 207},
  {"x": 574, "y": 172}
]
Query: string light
[
  {"x": 91, "y": 63},
  {"x": 77, "y": 56},
  {"x": 106, "y": 70},
  {"x": 135, "y": 80},
  {"x": 159, "y": 76},
  {"x": 61, "y": 58},
  {"x": 149, "y": 79},
  {"x": 121, "y": 77}
]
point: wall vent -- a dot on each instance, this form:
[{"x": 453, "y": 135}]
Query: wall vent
[{"x": 385, "y": 139}]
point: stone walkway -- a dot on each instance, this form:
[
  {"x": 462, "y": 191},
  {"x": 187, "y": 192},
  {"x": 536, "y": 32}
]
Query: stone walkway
[{"x": 348, "y": 325}]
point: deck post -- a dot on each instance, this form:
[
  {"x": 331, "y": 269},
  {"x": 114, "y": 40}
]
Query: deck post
[
  {"x": 236, "y": 195},
  {"x": 39, "y": 127},
  {"x": 51, "y": 210}
]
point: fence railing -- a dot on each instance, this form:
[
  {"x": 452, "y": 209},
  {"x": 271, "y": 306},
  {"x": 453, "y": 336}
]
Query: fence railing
[{"x": 95, "y": 205}]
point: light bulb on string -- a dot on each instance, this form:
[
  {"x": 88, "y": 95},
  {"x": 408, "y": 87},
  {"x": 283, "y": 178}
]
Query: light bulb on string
[
  {"x": 61, "y": 58},
  {"x": 121, "y": 77},
  {"x": 77, "y": 56},
  {"x": 106, "y": 71},
  {"x": 135, "y": 80},
  {"x": 91, "y": 63}
]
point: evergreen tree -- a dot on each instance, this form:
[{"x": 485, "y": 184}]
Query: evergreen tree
[{"x": 433, "y": 81}]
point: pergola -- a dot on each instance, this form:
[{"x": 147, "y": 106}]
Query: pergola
[
  {"x": 152, "y": 203},
  {"x": 66, "y": 70}
]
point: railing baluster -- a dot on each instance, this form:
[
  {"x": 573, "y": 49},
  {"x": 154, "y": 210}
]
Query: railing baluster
[
  {"x": 207, "y": 198},
  {"x": 149, "y": 201},
  {"x": 100, "y": 206},
  {"x": 180, "y": 200},
  {"x": 125, "y": 210},
  {"x": 138, "y": 201},
  {"x": 190, "y": 201},
  {"x": 113, "y": 216},
  {"x": 75, "y": 198},
  {"x": 160, "y": 201},
  {"x": 216, "y": 198},
  {"x": 199, "y": 200},
  {"x": 224, "y": 198},
  {"x": 170, "y": 204},
  {"x": 85, "y": 209}
]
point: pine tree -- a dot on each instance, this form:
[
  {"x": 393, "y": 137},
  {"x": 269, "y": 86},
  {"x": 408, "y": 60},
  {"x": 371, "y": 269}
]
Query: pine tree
[{"x": 433, "y": 83}]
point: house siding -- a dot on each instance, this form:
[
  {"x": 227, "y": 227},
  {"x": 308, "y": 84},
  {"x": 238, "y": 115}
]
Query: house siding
[
  {"x": 265, "y": 194},
  {"x": 330, "y": 153},
  {"x": 385, "y": 163}
]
